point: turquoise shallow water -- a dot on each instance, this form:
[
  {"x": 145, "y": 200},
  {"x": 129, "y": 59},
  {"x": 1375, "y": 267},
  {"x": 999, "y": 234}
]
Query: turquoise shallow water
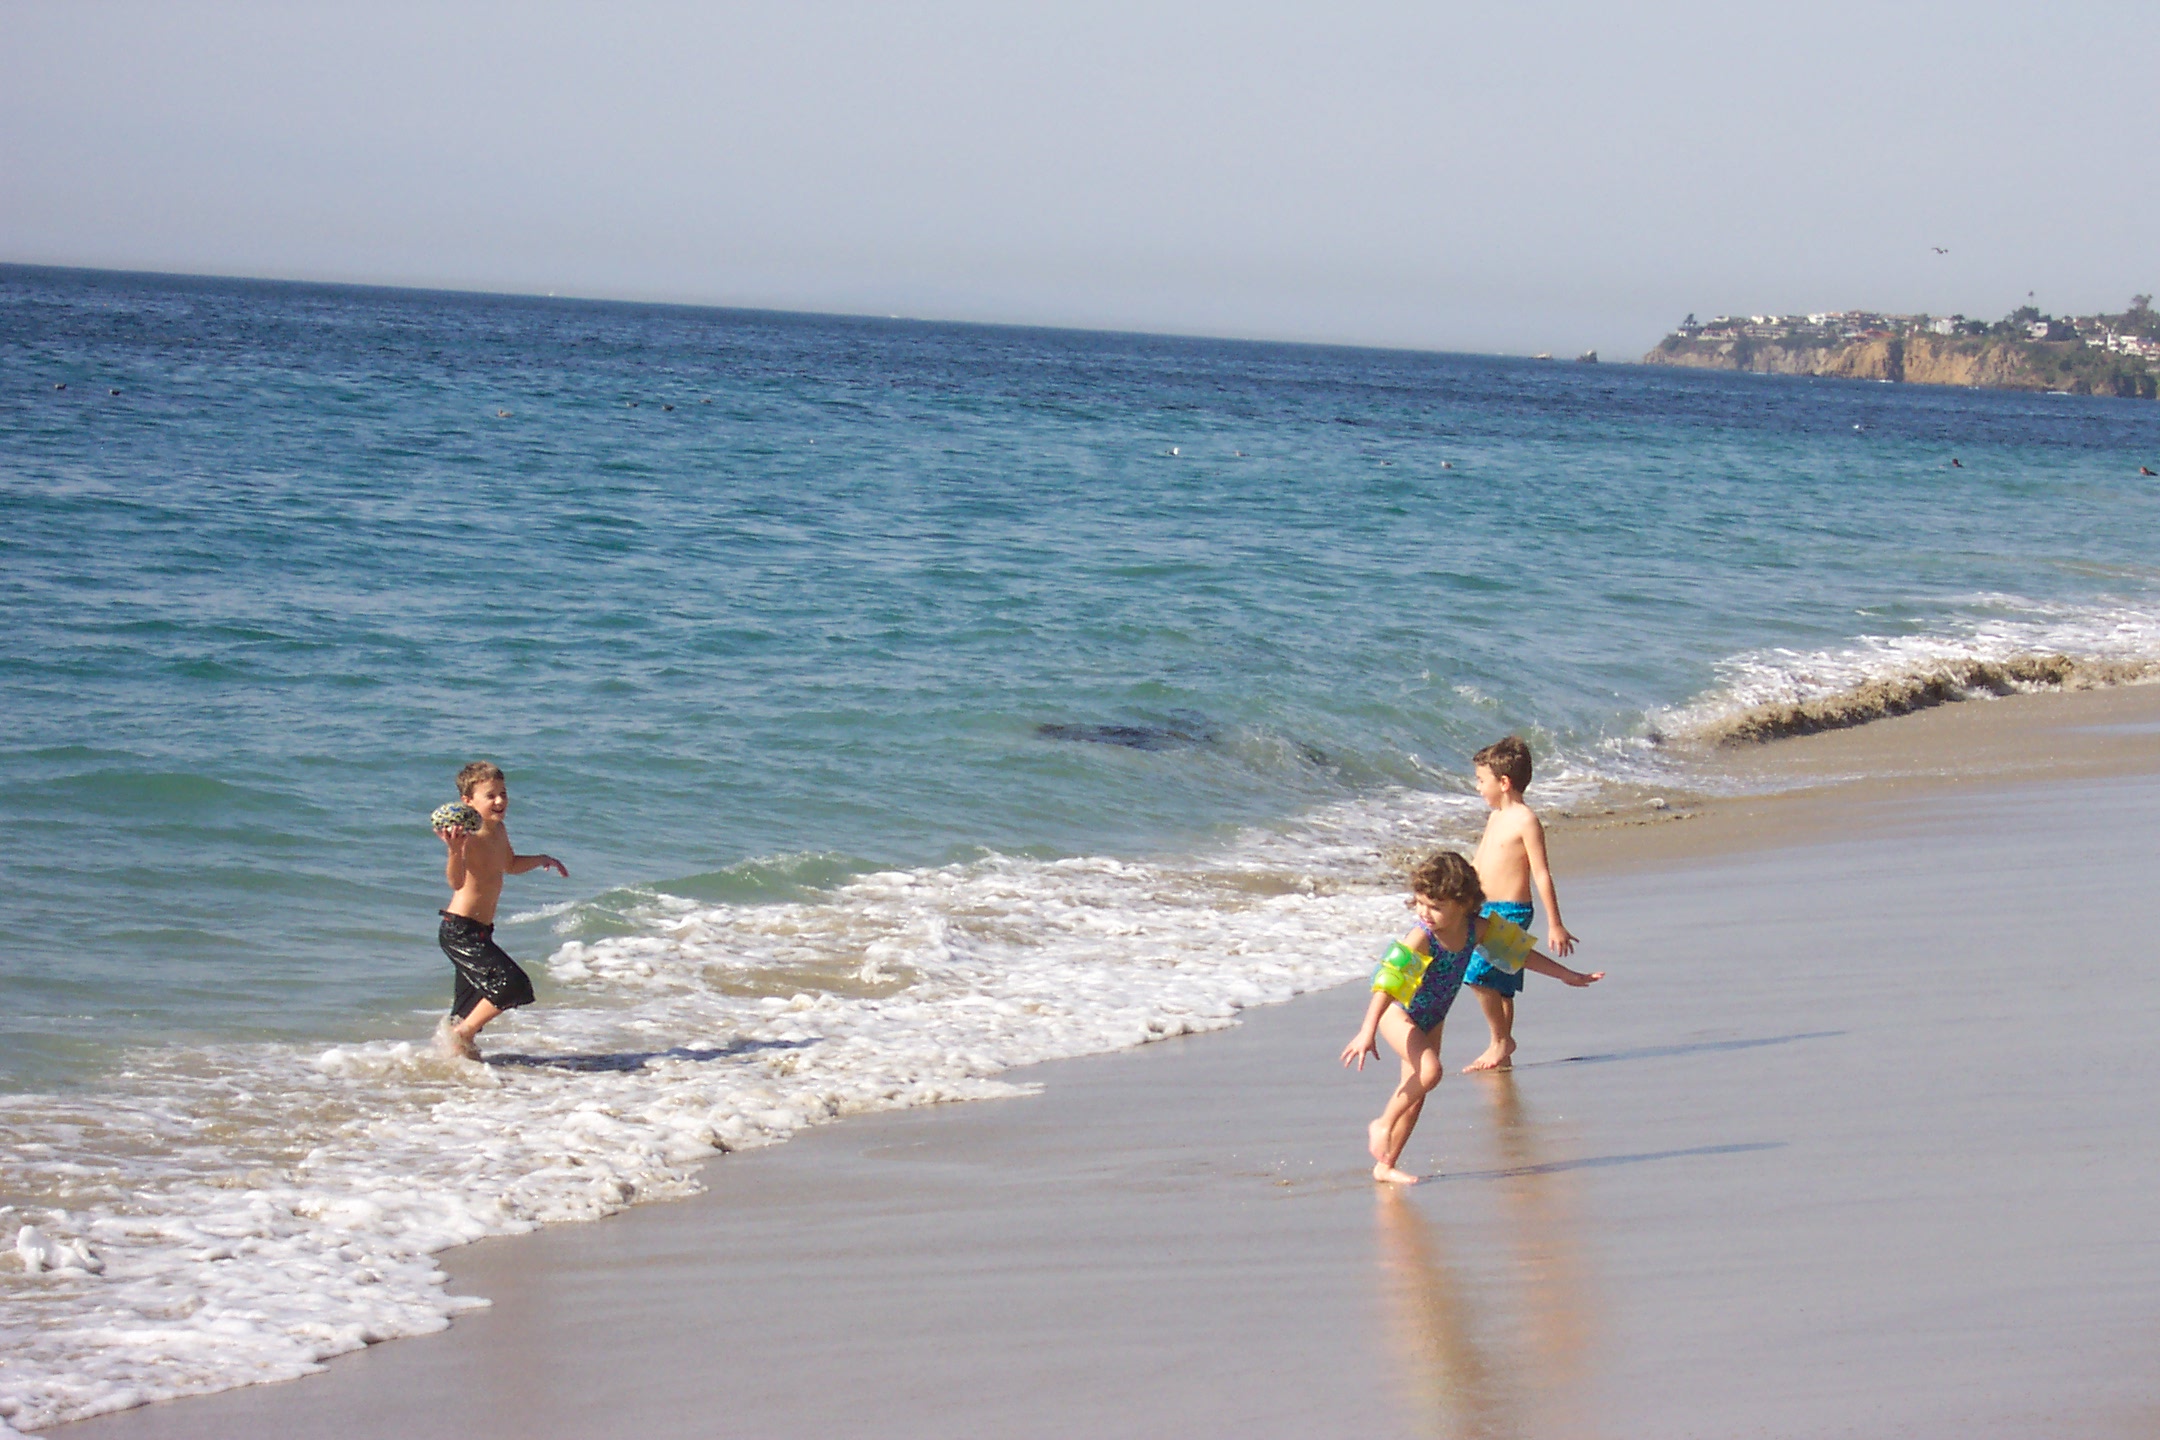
[
  {"x": 910, "y": 702},
  {"x": 258, "y": 605}
]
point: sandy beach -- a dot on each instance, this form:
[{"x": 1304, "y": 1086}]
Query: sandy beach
[{"x": 1857, "y": 1139}]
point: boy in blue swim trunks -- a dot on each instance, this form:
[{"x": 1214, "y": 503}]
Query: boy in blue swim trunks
[
  {"x": 1510, "y": 860},
  {"x": 1418, "y": 979}
]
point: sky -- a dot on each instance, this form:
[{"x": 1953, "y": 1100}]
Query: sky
[{"x": 1499, "y": 178}]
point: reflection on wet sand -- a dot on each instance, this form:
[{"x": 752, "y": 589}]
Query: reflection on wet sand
[
  {"x": 1492, "y": 1344},
  {"x": 1446, "y": 1382}
]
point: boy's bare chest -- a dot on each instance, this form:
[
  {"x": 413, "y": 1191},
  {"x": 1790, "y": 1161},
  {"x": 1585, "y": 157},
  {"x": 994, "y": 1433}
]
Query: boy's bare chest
[
  {"x": 490, "y": 854},
  {"x": 1500, "y": 846}
]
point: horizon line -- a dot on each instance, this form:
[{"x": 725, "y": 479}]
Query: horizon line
[{"x": 749, "y": 309}]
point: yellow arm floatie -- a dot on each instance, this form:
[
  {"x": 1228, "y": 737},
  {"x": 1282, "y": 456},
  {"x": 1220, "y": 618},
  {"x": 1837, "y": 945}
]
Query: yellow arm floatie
[
  {"x": 1399, "y": 971},
  {"x": 1505, "y": 945}
]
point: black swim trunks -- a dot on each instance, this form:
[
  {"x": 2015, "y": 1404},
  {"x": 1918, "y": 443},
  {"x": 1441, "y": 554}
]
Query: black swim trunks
[{"x": 484, "y": 969}]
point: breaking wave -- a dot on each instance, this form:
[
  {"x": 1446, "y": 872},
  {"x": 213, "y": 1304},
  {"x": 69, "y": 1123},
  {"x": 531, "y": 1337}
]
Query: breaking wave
[
  {"x": 1774, "y": 694},
  {"x": 1879, "y": 699}
]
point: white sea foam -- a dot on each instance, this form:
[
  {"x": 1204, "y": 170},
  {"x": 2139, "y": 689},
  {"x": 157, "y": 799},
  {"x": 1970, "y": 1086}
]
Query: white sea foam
[
  {"x": 543, "y": 912},
  {"x": 260, "y": 1208}
]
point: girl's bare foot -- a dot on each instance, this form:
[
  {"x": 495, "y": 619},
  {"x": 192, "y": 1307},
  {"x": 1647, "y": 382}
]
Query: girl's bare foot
[
  {"x": 1498, "y": 1056},
  {"x": 1393, "y": 1176}
]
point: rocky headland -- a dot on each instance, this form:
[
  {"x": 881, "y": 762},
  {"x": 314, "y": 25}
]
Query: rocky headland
[
  {"x": 2097, "y": 354},
  {"x": 1995, "y": 364}
]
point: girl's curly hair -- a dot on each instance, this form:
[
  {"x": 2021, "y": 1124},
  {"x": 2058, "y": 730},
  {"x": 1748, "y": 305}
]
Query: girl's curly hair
[{"x": 1445, "y": 875}]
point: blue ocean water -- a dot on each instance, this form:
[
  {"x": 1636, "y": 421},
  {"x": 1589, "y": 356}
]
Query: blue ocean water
[
  {"x": 908, "y": 701},
  {"x": 325, "y": 544}
]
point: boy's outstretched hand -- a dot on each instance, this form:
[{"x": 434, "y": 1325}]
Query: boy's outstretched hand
[
  {"x": 1361, "y": 1044},
  {"x": 549, "y": 862},
  {"x": 1578, "y": 979}
]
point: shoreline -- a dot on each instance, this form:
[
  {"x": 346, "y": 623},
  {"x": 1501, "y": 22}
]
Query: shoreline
[{"x": 765, "y": 1211}]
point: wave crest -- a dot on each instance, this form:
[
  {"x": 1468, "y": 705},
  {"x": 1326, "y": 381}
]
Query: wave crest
[{"x": 1920, "y": 688}]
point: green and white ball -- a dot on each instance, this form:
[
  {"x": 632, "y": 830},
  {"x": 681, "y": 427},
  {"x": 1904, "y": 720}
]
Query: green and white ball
[{"x": 457, "y": 815}]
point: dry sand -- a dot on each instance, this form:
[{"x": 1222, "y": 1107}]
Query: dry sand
[{"x": 1861, "y": 1138}]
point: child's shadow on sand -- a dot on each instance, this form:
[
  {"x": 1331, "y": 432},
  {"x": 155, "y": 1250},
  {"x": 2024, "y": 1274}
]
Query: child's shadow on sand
[
  {"x": 629, "y": 1060},
  {"x": 1661, "y": 1052}
]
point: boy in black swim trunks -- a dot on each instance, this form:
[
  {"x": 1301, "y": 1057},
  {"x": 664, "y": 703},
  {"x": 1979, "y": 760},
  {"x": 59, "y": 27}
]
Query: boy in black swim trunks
[
  {"x": 488, "y": 980},
  {"x": 1418, "y": 979}
]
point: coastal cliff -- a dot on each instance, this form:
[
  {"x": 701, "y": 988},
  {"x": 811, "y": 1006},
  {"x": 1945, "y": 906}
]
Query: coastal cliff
[{"x": 1923, "y": 360}]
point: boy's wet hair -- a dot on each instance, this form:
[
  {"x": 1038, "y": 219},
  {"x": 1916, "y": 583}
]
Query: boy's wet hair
[
  {"x": 1509, "y": 759},
  {"x": 1445, "y": 875},
  {"x": 473, "y": 776}
]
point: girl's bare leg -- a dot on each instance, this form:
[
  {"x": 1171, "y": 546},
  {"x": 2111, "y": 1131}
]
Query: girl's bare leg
[
  {"x": 1390, "y": 1134},
  {"x": 1399, "y": 1136}
]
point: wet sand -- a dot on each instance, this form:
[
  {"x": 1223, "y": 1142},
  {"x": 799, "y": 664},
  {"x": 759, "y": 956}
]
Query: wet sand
[
  {"x": 1846, "y": 782},
  {"x": 1860, "y": 1138}
]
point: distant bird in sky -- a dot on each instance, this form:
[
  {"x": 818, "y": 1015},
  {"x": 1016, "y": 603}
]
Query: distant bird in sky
[
  {"x": 1939, "y": 250},
  {"x": 2145, "y": 470}
]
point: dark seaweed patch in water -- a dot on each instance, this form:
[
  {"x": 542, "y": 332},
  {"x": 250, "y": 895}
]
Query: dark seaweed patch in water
[
  {"x": 1185, "y": 731},
  {"x": 1168, "y": 736}
]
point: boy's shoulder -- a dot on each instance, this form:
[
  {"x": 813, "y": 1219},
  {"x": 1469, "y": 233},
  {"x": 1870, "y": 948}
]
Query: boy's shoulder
[{"x": 1517, "y": 819}]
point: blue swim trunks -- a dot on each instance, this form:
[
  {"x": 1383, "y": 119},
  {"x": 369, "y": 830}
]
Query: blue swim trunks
[{"x": 1488, "y": 977}]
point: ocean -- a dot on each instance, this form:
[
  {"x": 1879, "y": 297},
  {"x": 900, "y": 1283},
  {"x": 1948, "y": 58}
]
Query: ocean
[{"x": 909, "y": 702}]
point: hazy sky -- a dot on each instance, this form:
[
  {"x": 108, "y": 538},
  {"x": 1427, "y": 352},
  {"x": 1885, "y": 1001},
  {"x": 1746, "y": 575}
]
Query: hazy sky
[{"x": 1482, "y": 177}]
